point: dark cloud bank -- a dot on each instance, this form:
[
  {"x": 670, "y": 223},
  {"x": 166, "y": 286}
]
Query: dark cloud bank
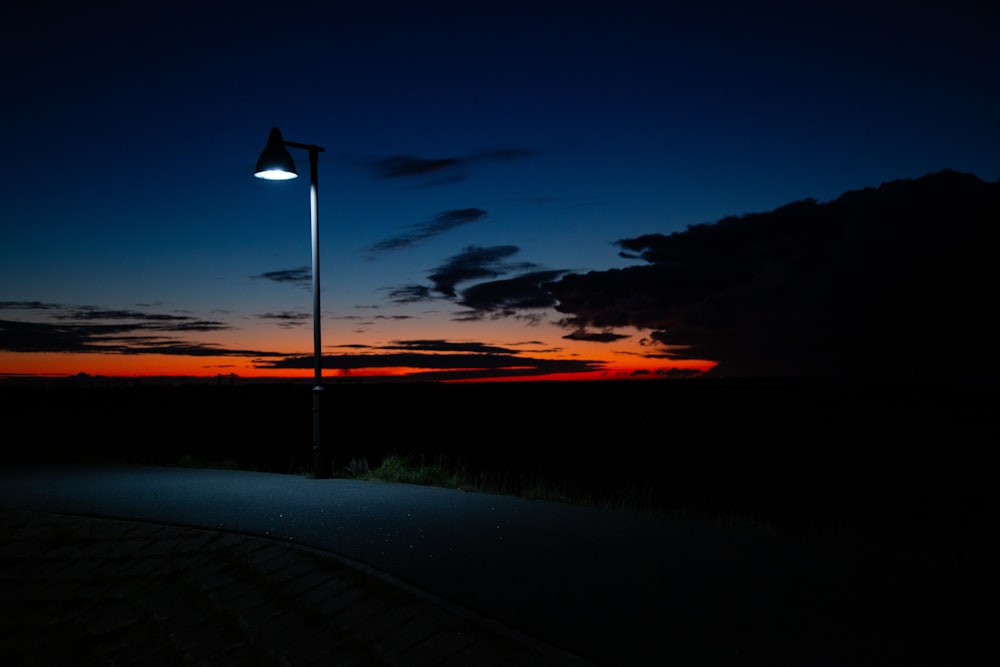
[{"x": 897, "y": 281}]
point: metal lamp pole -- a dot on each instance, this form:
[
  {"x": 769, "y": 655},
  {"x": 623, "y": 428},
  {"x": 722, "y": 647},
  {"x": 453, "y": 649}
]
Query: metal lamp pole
[{"x": 275, "y": 163}]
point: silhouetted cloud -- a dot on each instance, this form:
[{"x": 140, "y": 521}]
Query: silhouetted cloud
[
  {"x": 410, "y": 294},
  {"x": 473, "y": 263},
  {"x": 301, "y": 276},
  {"x": 595, "y": 336},
  {"x": 443, "y": 170},
  {"x": 288, "y": 320},
  {"x": 432, "y": 359},
  {"x": 890, "y": 281},
  {"x": 141, "y": 331},
  {"x": 507, "y": 297},
  {"x": 127, "y": 339},
  {"x": 27, "y": 305},
  {"x": 394, "y": 317},
  {"x": 93, "y": 330},
  {"x": 442, "y": 360},
  {"x": 403, "y": 166},
  {"x": 511, "y": 294},
  {"x": 94, "y": 313},
  {"x": 438, "y": 224},
  {"x": 104, "y": 331},
  {"x": 442, "y": 345},
  {"x": 196, "y": 325}
]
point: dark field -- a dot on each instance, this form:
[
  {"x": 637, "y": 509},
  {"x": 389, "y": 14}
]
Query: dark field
[{"x": 893, "y": 459}]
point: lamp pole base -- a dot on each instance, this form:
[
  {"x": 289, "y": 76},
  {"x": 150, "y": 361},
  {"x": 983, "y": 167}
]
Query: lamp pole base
[{"x": 322, "y": 464}]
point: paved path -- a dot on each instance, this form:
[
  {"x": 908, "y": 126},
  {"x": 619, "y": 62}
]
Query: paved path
[
  {"x": 86, "y": 591},
  {"x": 529, "y": 580}
]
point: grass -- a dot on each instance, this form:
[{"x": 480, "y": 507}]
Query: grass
[
  {"x": 442, "y": 473},
  {"x": 397, "y": 468}
]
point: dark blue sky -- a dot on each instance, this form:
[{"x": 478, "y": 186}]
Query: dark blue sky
[{"x": 466, "y": 144}]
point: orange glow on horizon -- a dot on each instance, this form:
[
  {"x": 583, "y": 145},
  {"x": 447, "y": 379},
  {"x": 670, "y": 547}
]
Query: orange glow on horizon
[
  {"x": 633, "y": 357},
  {"x": 135, "y": 366}
]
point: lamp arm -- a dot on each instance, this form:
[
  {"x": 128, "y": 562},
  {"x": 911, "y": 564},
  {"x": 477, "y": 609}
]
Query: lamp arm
[{"x": 308, "y": 147}]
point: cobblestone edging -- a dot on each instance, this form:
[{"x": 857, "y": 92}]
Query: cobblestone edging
[{"x": 82, "y": 591}]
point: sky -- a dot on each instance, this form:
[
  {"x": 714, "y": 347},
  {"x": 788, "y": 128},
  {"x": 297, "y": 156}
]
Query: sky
[{"x": 475, "y": 154}]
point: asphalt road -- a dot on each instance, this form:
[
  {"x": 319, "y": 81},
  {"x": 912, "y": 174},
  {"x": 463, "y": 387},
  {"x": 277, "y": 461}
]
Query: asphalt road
[{"x": 616, "y": 588}]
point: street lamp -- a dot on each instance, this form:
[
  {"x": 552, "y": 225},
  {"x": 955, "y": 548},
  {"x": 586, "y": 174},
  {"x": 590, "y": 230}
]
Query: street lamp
[{"x": 276, "y": 164}]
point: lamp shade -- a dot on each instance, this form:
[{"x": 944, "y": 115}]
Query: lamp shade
[{"x": 275, "y": 163}]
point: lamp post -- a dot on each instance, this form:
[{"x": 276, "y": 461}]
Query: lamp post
[{"x": 276, "y": 164}]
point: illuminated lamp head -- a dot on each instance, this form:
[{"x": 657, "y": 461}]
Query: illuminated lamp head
[{"x": 275, "y": 163}]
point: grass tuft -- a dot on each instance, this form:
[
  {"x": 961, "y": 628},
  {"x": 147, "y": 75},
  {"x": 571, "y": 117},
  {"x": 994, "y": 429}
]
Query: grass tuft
[
  {"x": 397, "y": 468},
  {"x": 451, "y": 475}
]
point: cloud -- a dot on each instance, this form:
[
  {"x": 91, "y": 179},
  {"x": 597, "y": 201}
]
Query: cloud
[
  {"x": 410, "y": 294},
  {"x": 288, "y": 320},
  {"x": 595, "y": 337},
  {"x": 137, "y": 333},
  {"x": 93, "y": 330},
  {"x": 27, "y": 305},
  {"x": 128, "y": 339},
  {"x": 443, "y": 360},
  {"x": 404, "y": 166},
  {"x": 440, "y": 345},
  {"x": 438, "y": 224},
  {"x": 94, "y": 313},
  {"x": 511, "y": 294},
  {"x": 507, "y": 297},
  {"x": 473, "y": 263},
  {"x": 301, "y": 276},
  {"x": 441, "y": 170},
  {"x": 893, "y": 281},
  {"x": 89, "y": 329}
]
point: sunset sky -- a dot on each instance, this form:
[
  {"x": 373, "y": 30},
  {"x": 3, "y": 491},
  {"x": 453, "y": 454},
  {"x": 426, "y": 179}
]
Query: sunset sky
[{"x": 474, "y": 152}]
